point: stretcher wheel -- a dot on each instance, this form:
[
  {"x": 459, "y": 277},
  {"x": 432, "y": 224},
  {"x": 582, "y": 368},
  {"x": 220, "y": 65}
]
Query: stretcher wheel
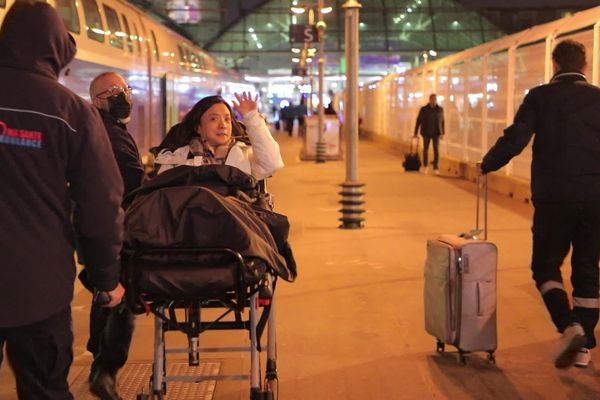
[
  {"x": 271, "y": 388},
  {"x": 440, "y": 346},
  {"x": 268, "y": 396},
  {"x": 491, "y": 357}
]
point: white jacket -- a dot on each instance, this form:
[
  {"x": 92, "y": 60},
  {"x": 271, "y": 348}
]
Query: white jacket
[{"x": 260, "y": 160}]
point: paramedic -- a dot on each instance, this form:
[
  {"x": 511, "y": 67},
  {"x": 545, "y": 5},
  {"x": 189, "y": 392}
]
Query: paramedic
[
  {"x": 111, "y": 329},
  {"x": 565, "y": 187},
  {"x": 56, "y": 161}
]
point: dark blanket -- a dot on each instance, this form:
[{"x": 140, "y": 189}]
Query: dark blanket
[
  {"x": 223, "y": 179},
  {"x": 201, "y": 207}
]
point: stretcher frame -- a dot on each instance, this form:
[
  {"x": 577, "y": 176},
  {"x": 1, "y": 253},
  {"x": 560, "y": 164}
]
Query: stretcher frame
[{"x": 251, "y": 295}]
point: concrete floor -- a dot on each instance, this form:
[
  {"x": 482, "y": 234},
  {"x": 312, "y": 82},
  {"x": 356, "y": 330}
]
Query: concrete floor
[{"x": 351, "y": 326}]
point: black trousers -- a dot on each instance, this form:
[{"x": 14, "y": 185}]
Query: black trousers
[
  {"x": 556, "y": 228},
  {"x": 41, "y": 355},
  {"x": 435, "y": 140},
  {"x": 111, "y": 330}
]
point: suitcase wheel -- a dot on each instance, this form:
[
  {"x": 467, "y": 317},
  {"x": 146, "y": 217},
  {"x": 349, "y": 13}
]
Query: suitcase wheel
[
  {"x": 440, "y": 346},
  {"x": 460, "y": 358},
  {"x": 491, "y": 357}
]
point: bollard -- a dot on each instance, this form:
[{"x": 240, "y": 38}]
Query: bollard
[{"x": 351, "y": 205}]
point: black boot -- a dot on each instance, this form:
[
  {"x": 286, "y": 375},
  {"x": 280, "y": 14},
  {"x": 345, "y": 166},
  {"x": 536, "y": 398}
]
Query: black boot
[{"x": 103, "y": 384}]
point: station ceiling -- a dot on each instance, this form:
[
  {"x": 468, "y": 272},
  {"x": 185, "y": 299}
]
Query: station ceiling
[{"x": 252, "y": 36}]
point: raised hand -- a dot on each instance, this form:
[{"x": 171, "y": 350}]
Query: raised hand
[{"x": 245, "y": 103}]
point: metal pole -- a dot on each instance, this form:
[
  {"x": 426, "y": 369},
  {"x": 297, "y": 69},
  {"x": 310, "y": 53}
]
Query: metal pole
[
  {"x": 321, "y": 121},
  {"x": 351, "y": 188}
]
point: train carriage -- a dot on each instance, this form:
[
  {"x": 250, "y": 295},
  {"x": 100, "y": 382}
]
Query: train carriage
[
  {"x": 480, "y": 89},
  {"x": 167, "y": 72}
]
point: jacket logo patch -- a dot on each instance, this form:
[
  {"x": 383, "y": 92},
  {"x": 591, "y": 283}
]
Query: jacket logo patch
[{"x": 20, "y": 137}]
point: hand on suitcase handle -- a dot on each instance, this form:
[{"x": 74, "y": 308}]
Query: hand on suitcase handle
[{"x": 478, "y": 168}]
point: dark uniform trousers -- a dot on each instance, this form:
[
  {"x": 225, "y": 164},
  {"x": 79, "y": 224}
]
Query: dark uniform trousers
[
  {"x": 111, "y": 330},
  {"x": 41, "y": 355},
  {"x": 435, "y": 141},
  {"x": 557, "y": 227}
]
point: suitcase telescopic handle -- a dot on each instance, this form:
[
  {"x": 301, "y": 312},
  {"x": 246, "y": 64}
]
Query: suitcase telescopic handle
[
  {"x": 414, "y": 141},
  {"x": 482, "y": 186}
]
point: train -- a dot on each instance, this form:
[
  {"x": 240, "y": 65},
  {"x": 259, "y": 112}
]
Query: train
[
  {"x": 480, "y": 90},
  {"x": 168, "y": 72}
]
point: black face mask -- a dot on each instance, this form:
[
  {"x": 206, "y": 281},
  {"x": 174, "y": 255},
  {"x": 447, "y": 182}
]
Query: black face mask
[{"x": 119, "y": 106}]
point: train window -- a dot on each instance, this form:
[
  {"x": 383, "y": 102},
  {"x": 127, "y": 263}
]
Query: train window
[
  {"x": 188, "y": 59},
  {"x": 94, "y": 27},
  {"x": 68, "y": 12},
  {"x": 137, "y": 39},
  {"x": 114, "y": 26},
  {"x": 201, "y": 61},
  {"x": 156, "y": 52},
  {"x": 181, "y": 57},
  {"x": 194, "y": 61},
  {"x": 128, "y": 33}
]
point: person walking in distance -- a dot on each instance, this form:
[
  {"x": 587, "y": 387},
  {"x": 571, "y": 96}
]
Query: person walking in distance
[
  {"x": 431, "y": 122},
  {"x": 59, "y": 180},
  {"x": 111, "y": 330},
  {"x": 565, "y": 187}
]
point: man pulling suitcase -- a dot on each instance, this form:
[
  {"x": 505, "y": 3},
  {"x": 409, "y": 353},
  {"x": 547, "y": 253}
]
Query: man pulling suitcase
[{"x": 565, "y": 187}]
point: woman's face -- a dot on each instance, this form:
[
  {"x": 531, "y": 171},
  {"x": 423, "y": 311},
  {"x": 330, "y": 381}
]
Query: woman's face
[{"x": 215, "y": 125}]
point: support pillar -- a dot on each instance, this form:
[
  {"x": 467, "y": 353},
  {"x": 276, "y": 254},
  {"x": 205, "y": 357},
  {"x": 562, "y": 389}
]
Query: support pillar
[{"x": 351, "y": 189}]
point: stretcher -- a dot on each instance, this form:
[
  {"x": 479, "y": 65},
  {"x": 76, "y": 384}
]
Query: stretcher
[
  {"x": 170, "y": 281},
  {"x": 194, "y": 243}
]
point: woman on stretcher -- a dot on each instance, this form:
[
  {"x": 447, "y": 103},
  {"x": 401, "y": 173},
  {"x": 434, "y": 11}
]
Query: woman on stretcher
[{"x": 209, "y": 134}]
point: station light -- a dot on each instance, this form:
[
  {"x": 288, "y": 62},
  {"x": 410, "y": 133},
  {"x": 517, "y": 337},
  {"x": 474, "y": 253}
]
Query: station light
[
  {"x": 99, "y": 31},
  {"x": 295, "y": 60},
  {"x": 301, "y": 9},
  {"x": 295, "y": 50}
]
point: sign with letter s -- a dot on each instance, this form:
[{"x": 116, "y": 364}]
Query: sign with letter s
[{"x": 303, "y": 34}]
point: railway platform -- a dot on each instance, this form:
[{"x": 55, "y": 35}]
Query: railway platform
[{"x": 351, "y": 327}]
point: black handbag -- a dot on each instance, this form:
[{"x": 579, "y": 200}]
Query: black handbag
[{"x": 412, "y": 162}]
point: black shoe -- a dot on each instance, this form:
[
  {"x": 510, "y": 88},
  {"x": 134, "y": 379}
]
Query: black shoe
[{"x": 104, "y": 385}]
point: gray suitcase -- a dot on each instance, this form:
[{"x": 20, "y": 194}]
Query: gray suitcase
[{"x": 460, "y": 290}]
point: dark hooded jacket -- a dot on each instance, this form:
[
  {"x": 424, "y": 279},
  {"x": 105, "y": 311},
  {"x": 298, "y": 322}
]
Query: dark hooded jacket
[
  {"x": 56, "y": 160},
  {"x": 564, "y": 115}
]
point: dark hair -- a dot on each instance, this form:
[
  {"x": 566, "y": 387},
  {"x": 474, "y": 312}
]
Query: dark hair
[
  {"x": 182, "y": 133},
  {"x": 569, "y": 55}
]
